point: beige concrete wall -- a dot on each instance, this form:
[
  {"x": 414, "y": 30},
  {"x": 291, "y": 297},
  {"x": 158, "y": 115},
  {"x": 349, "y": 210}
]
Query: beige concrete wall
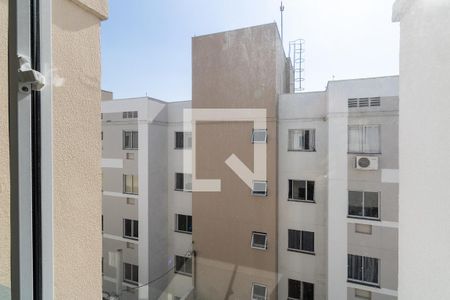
[
  {"x": 235, "y": 69},
  {"x": 77, "y": 152},
  {"x": 4, "y": 149}
]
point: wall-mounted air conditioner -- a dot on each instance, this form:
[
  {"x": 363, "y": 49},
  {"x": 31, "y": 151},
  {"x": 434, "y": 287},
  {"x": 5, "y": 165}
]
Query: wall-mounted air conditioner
[{"x": 366, "y": 162}]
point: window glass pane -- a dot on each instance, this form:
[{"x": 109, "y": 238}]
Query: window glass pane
[
  {"x": 372, "y": 139},
  {"x": 259, "y": 240},
  {"x": 310, "y": 190},
  {"x": 294, "y": 239},
  {"x": 308, "y": 291},
  {"x": 355, "y": 267},
  {"x": 371, "y": 204},
  {"x": 188, "y": 265},
  {"x": 295, "y": 139},
  {"x": 259, "y": 135},
  {"x": 354, "y": 139},
  {"x": 127, "y": 227},
  {"x": 135, "y": 273},
  {"x": 294, "y": 287},
  {"x": 135, "y": 144},
  {"x": 306, "y": 140},
  {"x": 179, "y": 181},
  {"x": 259, "y": 292},
  {"x": 301, "y": 190},
  {"x": 355, "y": 203},
  {"x": 126, "y": 140},
  {"x": 181, "y": 222},
  {"x": 136, "y": 229},
  {"x": 308, "y": 241},
  {"x": 189, "y": 226},
  {"x": 135, "y": 184},
  {"x": 127, "y": 271},
  {"x": 179, "y": 139},
  {"x": 370, "y": 270}
]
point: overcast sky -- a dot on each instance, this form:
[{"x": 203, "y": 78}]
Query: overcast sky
[{"x": 146, "y": 44}]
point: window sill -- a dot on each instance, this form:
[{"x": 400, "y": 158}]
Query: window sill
[
  {"x": 304, "y": 201},
  {"x": 364, "y": 218},
  {"x": 301, "y": 251},
  {"x": 180, "y": 190},
  {"x": 375, "y": 285},
  {"x": 259, "y": 195},
  {"x": 128, "y": 149},
  {"x": 259, "y": 248},
  {"x": 131, "y": 282},
  {"x": 130, "y": 238},
  {"x": 182, "y": 231},
  {"x": 129, "y": 193},
  {"x": 301, "y": 150},
  {"x": 182, "y": 148},
  {"x": 184, "y": 274},
  {"x": 364, "y": 153}
]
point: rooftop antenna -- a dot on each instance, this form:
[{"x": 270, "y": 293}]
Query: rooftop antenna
[{"x": 281, "y": 12}]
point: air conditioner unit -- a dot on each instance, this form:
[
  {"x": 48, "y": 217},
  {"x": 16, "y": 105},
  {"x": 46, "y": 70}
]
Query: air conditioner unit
[{"x": 366, "y": 163}]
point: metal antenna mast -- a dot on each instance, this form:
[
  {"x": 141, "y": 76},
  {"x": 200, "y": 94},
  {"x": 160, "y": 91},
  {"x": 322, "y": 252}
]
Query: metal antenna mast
[{"x": 281, "y": 12}]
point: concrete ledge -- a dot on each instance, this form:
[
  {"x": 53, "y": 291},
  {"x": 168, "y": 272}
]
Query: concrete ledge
[{"x": 99, "y": 8}]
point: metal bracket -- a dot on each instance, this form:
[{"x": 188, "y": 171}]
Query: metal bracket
[{"x": 29, "y": 79}]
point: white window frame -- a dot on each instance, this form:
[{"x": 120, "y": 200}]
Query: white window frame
[
  {"x": 183, "y": 272},
  {"x": 130, "y": 280},
  {"x": 133, "y": 222},
  {"x": 291, "y": 181},
  {"x": 133, "y": 134},
  {"x": 362, "y": 136},
  {"x": 187, "y": 184},
  {"x": 253, "y": 291},
  {"x": 134, "y": 178},
  {"x": 254, "y": 131},
  {"x": 177, "y": 229},
  {"x": 302, "y": 288},
  {"x": 312, "y": 140},
  {"x": 363, "y": 206},
  {"x": 19, "y": 36},
  {"x": 301, "y": 242},
  {"x": 377, "y": 284},
  {"x": 254, "y": 246},
  {"x": 259, "y": 193}
]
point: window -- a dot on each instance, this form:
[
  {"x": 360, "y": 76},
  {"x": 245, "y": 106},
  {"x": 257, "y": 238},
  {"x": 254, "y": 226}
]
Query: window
[
  {"x": 183, "y": 182},
  {"x": 363, "y": 294},
  {"x": 259, "y": 136},
  {"x": 301, "y": 240},
  {"x": 259, "y": 240},
  {"x": 259, "y": 188},
  {"x": 183, "y": 140},
  {"x": 130, "y": 184},
  {"x": 364, "y": 139},
  {"x": 364, "y": 102},
  {"x": 130, "y": 140},
  {"x": 301, "y": 190},
  {"x": 130, "y": 229},
  {"x": 130, "y": 114},
  {"x": 130, "y": 273},
  {"x": 302, "y": 140},
  {"x": 299, "y": 290},
  {"x": 102, "y": 223},
  {"x": 183, "y": 265},
  {"x": 259, "y": 291},
  {"x": 363, "y": 205},
  {"x": 183, "y": 223},
  {"x": 363, "y": 269}
]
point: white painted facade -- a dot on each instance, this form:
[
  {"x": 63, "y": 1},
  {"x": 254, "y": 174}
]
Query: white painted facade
[
  {"x": 331, "y": 167},
  {"x": 424, "y": 267}
]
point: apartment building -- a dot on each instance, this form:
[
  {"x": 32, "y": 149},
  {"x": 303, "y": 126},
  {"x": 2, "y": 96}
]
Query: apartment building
[
  {"x": 146, "y": 198},
  {"x": 322, "y": 224},
  {"x": 338, "y": 191}
]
